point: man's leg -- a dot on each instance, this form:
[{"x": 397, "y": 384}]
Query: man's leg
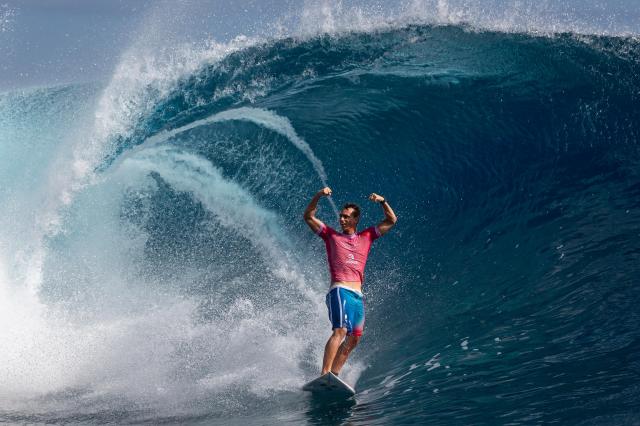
[
  {"x": 331, "y": 348},
  {"x": 343, "y": 353}
]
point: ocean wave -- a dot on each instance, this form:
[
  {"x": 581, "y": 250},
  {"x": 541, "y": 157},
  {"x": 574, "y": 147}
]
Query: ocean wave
[{"x": 180, "y": 280}]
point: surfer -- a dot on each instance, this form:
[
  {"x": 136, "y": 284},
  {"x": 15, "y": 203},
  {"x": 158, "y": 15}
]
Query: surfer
[{"x": 347, "y": 253}]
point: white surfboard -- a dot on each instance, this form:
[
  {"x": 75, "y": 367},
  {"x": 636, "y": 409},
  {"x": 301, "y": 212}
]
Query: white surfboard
[{"x": 329, "y": 384}]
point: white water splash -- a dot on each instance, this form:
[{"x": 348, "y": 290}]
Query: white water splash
[
  {"x": 546, "y": 17},
  {"x": 258, "y": 116}
]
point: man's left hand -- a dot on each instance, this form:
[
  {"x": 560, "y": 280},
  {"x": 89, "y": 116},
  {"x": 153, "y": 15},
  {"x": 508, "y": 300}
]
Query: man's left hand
[{"x": 376, "y": 198}]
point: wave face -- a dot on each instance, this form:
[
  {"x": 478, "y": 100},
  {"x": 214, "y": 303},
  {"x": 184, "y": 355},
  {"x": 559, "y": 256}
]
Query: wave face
[{"x": 154, "y": 265}]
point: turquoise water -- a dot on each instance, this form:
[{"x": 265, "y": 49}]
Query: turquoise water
[{"x": 156, "y": 268}]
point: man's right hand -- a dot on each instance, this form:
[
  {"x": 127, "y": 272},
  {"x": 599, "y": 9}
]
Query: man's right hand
[
  {"x": 325, "y": 192},
  {"x": 310, "y": 213}
]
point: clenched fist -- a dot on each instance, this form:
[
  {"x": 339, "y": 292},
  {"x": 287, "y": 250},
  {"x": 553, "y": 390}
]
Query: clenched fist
[
  {"x": 376, "y": 198},
  {"x": 325, "y": 192}
]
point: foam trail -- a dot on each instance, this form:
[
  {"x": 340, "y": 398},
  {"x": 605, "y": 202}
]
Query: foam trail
[
  {"x": 233, "y": 207},
  {"x": 259, "y": 116},
  {"x": 191, "y": 173}
]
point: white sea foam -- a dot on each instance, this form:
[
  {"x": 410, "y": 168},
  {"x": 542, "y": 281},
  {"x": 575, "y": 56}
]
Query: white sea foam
[{"x": 139, "y": 340}]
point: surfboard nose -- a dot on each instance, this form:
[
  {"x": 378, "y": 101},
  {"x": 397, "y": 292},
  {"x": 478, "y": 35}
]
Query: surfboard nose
[{"x": 329, "y": 383}]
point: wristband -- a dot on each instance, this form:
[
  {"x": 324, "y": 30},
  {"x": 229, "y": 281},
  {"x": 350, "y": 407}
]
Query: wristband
[{"x": 384, "y": 200}]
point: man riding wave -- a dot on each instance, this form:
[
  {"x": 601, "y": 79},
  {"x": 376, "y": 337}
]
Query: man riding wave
[{"x": 347, "y": 253}]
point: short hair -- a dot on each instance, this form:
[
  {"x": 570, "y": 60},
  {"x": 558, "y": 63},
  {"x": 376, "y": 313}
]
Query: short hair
[{"x": 356, "y": 209}]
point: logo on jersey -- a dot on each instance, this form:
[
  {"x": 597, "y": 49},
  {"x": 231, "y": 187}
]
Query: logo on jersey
[{"x": 351, "y": 259}]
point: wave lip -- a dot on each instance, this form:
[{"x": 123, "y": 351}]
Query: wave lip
[{"x": 528, "y": 16}]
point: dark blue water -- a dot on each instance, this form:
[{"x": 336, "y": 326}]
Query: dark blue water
[{"x": 506, "y": 294}]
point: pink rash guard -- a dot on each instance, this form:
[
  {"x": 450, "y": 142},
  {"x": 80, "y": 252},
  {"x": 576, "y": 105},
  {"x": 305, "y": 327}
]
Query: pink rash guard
[{"x": 347, "y": 254}]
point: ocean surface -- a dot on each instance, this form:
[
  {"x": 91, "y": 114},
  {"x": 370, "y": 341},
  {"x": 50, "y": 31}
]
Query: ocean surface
[{"x": 155, "y": 267}]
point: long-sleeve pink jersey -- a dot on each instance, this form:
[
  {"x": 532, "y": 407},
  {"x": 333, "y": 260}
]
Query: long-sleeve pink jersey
[{"x": 347, "y": 254}]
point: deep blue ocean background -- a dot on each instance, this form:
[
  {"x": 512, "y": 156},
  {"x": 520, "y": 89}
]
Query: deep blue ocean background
[{"x": 156, "y": 267}]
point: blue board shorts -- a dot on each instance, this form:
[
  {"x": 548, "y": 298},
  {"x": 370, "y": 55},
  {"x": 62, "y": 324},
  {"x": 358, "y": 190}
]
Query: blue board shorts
[{"x": 346, "y": 310}]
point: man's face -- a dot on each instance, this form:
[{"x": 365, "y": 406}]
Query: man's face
[{"x": 347, "y": 221}]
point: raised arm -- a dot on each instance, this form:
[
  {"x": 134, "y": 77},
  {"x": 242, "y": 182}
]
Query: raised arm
[
  {"x": 390, "y": 218},
  {"x": 310, "y": 212}
]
